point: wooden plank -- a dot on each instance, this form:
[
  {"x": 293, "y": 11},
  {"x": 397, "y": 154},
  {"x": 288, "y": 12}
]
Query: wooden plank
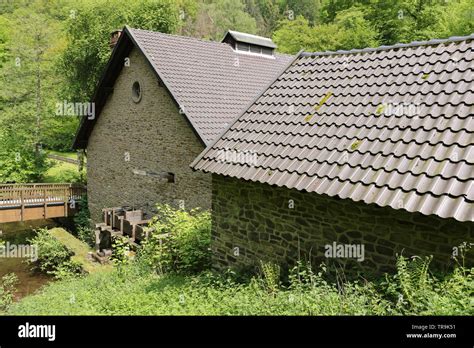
[{"x": 10, "y": 215}]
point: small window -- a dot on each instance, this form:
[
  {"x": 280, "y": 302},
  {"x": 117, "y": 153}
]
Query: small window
[
  {"x": 243, "y": 46},
  {"x": 255, "y": 49},
  {"x": 136, "y": 92},
  {"x": 267, "y": 51}
]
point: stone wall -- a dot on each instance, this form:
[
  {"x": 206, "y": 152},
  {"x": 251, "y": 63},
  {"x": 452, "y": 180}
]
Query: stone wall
[
  {"x": 253, "y": 221},
  {"x": 147, "y": 136}
]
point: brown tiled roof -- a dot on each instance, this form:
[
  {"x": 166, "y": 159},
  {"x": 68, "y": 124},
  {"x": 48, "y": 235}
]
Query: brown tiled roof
[
  {"x": 391, "y": 126},
  {"x": 209, "y": 81}
]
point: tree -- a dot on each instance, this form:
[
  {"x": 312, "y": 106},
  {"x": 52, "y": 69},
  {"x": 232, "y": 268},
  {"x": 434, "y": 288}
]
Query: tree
[
  {"x": 271, "y": 12},
  {"x": 349, "y": 30},
  {"x": 215, "y": 17},
  {"x": 309, "y": 9},
  {"x": 30, "y": 91},
  {"x": 294, "y": 35},
  {"x": 354, "y": 30},
  {"x": 410, "y": 20},
  {"x": 454, "y": 19},
  {"x": 88, "y": 29},
  {"x": 3, "y": 40},
  {"x": 331, "y": 8}
]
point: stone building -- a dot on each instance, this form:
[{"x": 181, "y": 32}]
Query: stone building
[
  {"x": 356, "y": 156},
  {"x": 161, "y": 100}
]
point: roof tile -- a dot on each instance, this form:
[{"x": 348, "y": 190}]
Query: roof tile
[{"x": 391, "y": 126}]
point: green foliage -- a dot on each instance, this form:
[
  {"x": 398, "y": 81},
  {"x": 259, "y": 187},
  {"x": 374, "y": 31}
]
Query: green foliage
[
  {"x": 21, "y": 165},
  {"x": 83, "y": 223},
  {"x": 355, "y": 30},
  {"x": 88, "y": 31},
  {"x": 414, "y": 290},
  {"x": 7, "y": 290},
  {"x": 53, "y": 257},
  {"x": 270, "y": 276},
  {"x": 121, "y": 254},
  {"x": 309, "y": 9},
  {"x": 348, "y": 24},
  {"x": 61, "y": 173},
  {"x": 180, "y": 241},
  {"x": 86, "y": 234},
  {"x": 407, "y": 20},
  {"x": 83, "y": 216},
  {"x": 3, "y": 40},
  {"x": 292, "y": 36},
  {"x": 60, "y": 133},
  {"x": 213, "y": 18},
  {"x": 28, "y": 59},
  {"x": 349, "y": 30},
  {"x": 134, "y": 292}
]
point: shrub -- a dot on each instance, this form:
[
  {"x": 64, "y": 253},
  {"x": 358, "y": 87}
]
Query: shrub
[
  {"x": 83, "y": 223},
  {"x": 83, "y": 217},
  {"x": 180, "y": 241},
  {"x": 53, "y": 257},
  {"x": 121, "y": 256},
  {"x": 414, "y": 290},
  {"x": 7, "y": 290},
  {"x": 270, "y": 276},
  {"x": 134, "y": 292},
  {"x": 70, "y": 176},
  {"x": 87, "y": 235}
]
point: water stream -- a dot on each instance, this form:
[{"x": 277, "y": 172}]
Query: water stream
[{"x": 19, "y": 233}]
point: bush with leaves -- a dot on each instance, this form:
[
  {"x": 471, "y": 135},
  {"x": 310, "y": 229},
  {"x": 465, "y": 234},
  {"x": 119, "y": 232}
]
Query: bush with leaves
[
  {"x": 83, "y": 217},
  {"x": 21, "y": 165},
  {"x": 53, "y": 257},
  {"x": 131, "y": 291},
  {"x": 7, "y": 290},
  {"x": 83, "y": 223},
  {"x": 180, "y": 241},
  {"x": 415, "y": 290}
]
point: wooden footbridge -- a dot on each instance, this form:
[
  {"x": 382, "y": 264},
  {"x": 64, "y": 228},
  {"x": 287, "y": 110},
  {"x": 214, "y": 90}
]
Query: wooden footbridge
[{"x": 22, "y": 202}]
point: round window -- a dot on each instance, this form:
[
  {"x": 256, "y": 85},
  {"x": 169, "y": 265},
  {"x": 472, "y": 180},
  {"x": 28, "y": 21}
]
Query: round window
[{"x": 136, "y": 92}]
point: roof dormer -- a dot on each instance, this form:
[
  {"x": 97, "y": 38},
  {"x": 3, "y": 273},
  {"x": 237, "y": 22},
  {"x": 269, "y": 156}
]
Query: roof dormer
[{"x": 248, "y": 43}]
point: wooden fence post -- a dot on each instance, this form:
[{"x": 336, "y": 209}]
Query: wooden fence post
[
  {"x": 22, "y": 206},
  {"x": 45, "y": 204}
]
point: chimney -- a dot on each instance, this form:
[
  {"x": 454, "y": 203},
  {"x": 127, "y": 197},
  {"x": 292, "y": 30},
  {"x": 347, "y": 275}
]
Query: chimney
[{"x": 114, "y": 36}]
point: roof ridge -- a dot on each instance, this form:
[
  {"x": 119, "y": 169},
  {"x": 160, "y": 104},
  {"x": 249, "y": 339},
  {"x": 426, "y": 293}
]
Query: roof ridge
[
  {"x": 431, "y": 42},
  {"x": 249, "y": 34},
  {"x": 178, "y": 36},
  {"x": 192, "y": 38}
]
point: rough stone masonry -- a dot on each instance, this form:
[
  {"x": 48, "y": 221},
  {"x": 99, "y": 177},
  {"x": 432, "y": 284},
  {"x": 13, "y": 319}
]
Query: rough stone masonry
[
  {"x": 149, "y": 136},
  {"x": 253, "y": 221}
]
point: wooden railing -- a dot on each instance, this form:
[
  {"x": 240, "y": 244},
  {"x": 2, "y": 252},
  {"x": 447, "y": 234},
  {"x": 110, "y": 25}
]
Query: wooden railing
[{"x": 23, "y": 196}]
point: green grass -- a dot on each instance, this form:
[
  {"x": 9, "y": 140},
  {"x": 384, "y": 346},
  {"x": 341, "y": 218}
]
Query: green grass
[
  {"x": 72, "y": 155},
  {"x": 56, "y": 174},
  {"x": 62, "y": 172},
  {"x": 131, "y": 291},
  {"x": 111, "y": 294},
  {"x": 80, "y": 250}
]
